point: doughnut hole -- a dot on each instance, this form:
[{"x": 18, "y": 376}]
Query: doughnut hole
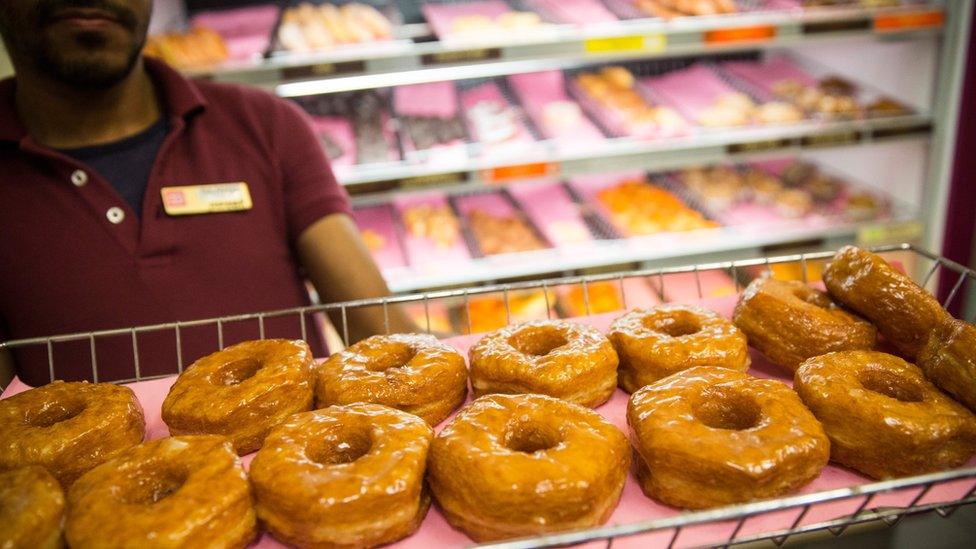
[
  {"x": 396, "y": 355},
  {"x": 537, "y": 340},
  {"x": 236, "y": 372},
  {"x": 340, "y": 448},
  {"x": 890, "y": 385},
  {"x": 530, "y": 436},
  {"x": 813, "y": 297},
  {"x": 149, "y": 486},
  {"x": 726, "y": 408},
  {"x": 54, "y": 412},
  {"x": 673, "y": 323}
]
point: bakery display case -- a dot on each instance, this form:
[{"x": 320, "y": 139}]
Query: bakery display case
[{"x": 447, "y": 103}]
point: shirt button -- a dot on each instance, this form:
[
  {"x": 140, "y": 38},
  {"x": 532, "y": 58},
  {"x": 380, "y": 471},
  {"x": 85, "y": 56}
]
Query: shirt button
[
  {"x": 79, "y": 178},
  {"x": 115, "y": 215}
]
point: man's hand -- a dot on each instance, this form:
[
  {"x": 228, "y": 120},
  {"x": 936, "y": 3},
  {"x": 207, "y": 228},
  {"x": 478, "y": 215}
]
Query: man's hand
[
  {"x": 6, "y": 368},
  {"x": 339, "y": 265}
]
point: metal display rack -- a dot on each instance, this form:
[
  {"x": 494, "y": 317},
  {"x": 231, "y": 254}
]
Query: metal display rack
[{"x": 919, "y": 487}]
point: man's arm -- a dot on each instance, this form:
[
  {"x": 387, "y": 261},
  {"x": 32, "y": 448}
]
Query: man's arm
[
  {"x": 341, "y": 269},
  {"x": 6, "y": 368}
]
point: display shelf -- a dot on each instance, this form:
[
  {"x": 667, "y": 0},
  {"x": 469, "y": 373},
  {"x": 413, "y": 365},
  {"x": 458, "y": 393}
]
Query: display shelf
[
  {"x": 406, "y": 61},
  {"x": 725, "y": 145},
  {"x": 671, "y": 246}
]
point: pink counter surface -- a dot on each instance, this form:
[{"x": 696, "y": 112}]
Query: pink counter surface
[{"x": 634, "y": 506}]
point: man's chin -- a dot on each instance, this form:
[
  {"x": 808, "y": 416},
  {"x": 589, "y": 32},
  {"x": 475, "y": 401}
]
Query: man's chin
[{"x": 91, "y": 70}]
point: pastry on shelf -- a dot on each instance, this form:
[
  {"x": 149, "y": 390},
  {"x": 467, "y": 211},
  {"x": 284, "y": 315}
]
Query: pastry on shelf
[
  {"x": 613, "y": 89},
  {"x": 489, "y": 312},
  {"x": 194, "y": 49},
  {"x": 639, "y": 208},
  {"x": 309, "y": 27},
  {"x": 436, "y": 223},
  {"x": 502, "y": 234},
  {"x": 718, "y": 187},
  {"x": 374, "y": 241},
  {"x": 599, "y": 297},
  {"x": 793, "y": 203},
  {"x": 668, "y": 9}
]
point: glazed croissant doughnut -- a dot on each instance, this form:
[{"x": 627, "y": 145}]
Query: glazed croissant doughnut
[
  {"x": 188, "y": 491},
  {"x": 69, "y": 427},
  {"x": 519, "y": 465},
  {"x": 903, "y": 311},
  {"x": 556, "y": 358},
  {"x": 345, "y": 476},
  {"x": 949, "y": 360},
  {"x": 31, "y": 509},
  {"x": 883, "y": 417},
  {"x": 242, "y": 392},
  {"x": 655, "y": 343},
  {"x": 706, "y": 437},
  {"x": 790, "y": 322},
  {"x": 411, "y": 372}
]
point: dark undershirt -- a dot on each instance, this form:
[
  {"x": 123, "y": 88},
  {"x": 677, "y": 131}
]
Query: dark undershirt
[{"x": 125, "y": 163}]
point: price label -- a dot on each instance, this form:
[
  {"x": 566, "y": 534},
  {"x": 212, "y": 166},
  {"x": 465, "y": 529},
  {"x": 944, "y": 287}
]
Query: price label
[
  {"x": 622, "y": 44},
  {"x": 905, "y": 231},
  {"x": 831, "y": 139},
  {"x": 760, "y": 146},
  {"x": 759, "y": 33},
  {"x": 893, "y": 133},
  {"x": 505, "y": 174},
  {"x": 433, "y": 180},
  {"x": 462, "y": 56},
  {"x": 322, "y": 69},
  {"x": 909, "y": 21},
  {"x": 827, "y": 27}
]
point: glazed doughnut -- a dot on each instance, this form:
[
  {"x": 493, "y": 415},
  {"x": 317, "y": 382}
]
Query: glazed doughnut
[
  {"x": 519, "y": 465},
  {"x": 550, "y": 357},
  {"x": 883, "y": 417},
  {"x": 790, "y": 322},
  {"x": 31, "y": 509},
  {"x": 706, "y": 437},
  {"x": 411, "y": 372},
  {"x": 187, "y": 491},
  {"x": 655, "y": 343},
  {"x": 948, "y": 359},
  {"x": 68, "y": 427},
  {"x": 903, "y": 312},
  {"x": 242, "y": 392},
  {"x": 345, "y": 476}
]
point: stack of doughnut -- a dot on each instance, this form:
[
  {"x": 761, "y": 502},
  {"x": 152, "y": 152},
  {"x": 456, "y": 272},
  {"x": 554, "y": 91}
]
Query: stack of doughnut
[{"x": 528, "y": 456}]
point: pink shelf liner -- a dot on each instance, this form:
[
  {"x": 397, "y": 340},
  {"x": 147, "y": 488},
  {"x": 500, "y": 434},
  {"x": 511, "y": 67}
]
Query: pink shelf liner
[
  {"x": 339, "y": 129},
  {"x": 538, "y": 89},
  {"x": 765, "y": 75},
  {"x": 775, "y": 166},
  {"x": 683, "y": 288},
  {"x": 552, "y": 210},
  {"x": 436, "y": 100},
  {"x": 634, "y": 506},
  {"x": 493, "y": 204},
  {"x": 380, "y": 220},
  {"x": 618, "y": 124},
  {"x": 423, "y": 252},
  {"x": 441, "y": 16},
  {"x": 578, "y": 12},
  {"x": 690, "y": 90},
  {"x": 246, "y": 31},
  {"x": 489, "y": 91}
]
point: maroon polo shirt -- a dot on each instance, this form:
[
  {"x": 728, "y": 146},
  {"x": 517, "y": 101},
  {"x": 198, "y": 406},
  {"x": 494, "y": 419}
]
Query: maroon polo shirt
[{"x": 74, "y": 257}]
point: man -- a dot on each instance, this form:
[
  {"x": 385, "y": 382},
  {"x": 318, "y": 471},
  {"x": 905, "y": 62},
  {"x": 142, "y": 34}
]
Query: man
[{"x": 103, "y": 156}]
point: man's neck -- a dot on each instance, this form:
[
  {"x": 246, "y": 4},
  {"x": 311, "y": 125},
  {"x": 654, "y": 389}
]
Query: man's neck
[{"x": 63, "y": 117}]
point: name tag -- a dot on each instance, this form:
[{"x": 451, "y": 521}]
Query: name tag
[{"x": 203, "y": 199}]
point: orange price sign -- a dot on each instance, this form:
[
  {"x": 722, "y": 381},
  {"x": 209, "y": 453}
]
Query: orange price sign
[
  {"x": 504, "y": 174},
  {"x": 908, "y": 21},
  {"x": 740, "y": 34}
]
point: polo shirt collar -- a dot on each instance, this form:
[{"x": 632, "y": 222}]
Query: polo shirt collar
[{"x": 180, "y": 96}]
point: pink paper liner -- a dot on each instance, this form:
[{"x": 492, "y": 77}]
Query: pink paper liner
[
  {"x": 339, "y": 129},
  {"x": 633, "y": 506},
  {"x": 424, "y": 253},
  {"x": 493, "y": 204},
  {"x": 577, "y": 12},
  {"x": 538, "y": 89},
  {"x": 435, "y": 100},
  {"x": 553, "y": 211},
  {"x": 246, "y": 31},
  {"x": 441, "y": 17},
  {"x": 691, "y": 91},
  {"x": 380, "y": 220},
  {"x": 765, "y": 75}
]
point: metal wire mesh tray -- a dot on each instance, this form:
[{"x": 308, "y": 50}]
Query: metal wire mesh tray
[{"x": 832, "y": 510}]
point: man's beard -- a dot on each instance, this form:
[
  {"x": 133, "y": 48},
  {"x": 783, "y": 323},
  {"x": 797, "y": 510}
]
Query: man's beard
[{"x": 85, "y": 73}]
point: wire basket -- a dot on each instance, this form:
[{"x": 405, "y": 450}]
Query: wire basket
[{"x": 866, "y": 500}]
